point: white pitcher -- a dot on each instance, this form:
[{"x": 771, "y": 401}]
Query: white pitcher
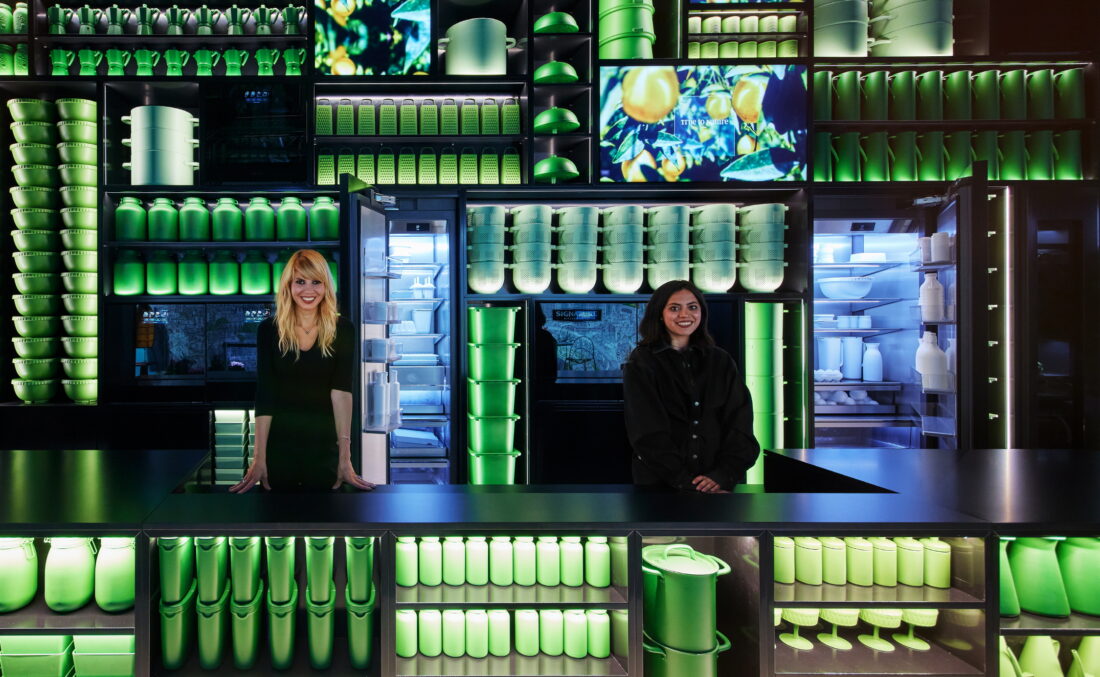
[
  {"x": 829, "y": 355},
  {"x": 852, "y": 359}
]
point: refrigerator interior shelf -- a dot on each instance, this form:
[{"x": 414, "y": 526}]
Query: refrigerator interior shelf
[
  {"x": 931, "y": 266},
  {"x": 937, "y": 426},
  {"x": 411, "y": 452},
  {"x": 434, "y": 337},
  {"x": 381, "y": 431},
  {"x": 1031, "y": 624},
  {"x": 859, "y": 332},
  {"x": 430, "y": 420},
  {"x": 380, "y": 275},
  {"x": 855, "y": 409},
  {"x": 863, "y": 421},
  {"x": 434, "y": 268},
  {"x": 434, "y": 303},
  {"x": 861, "y": 269},
  {"x": 869, "y": 386},
  {"x": 948, "y": 319},
  {"x": 864, "y": 304}
]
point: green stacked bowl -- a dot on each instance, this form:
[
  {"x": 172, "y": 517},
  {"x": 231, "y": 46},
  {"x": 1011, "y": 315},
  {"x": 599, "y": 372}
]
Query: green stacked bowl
[
  {"x": 37, "y": 261},
  {"x": 80, "y": 304},
  {"x": 37, "y": 283},
  {"x": 32, "y": 110},
  {"x": 80, "y": 347},
  {"x": 81, "y": 391},
  {"x": 35, "y": 305},
  {"x": 80, "y": 325},
  {"x": 626, "y": 29},
  {"x": 86, "y": 218},
  {"x": 35, "y": 219},
  {"x": 33, "y": 153},
  {"x": 78, "y": 239},
  {"x": 29, "y": 240},
  {"x": 43, "y": 326},
  {"x": 35, "y": 348},
  {"x": 36, "y": 369},
  {"x": 76, "y": 109},
  {"x": 86, "y": 368},
  {"x": 80, "y": 283},
  {"x": 30, "y": 197},
  {"x": 35, "y": 391}
]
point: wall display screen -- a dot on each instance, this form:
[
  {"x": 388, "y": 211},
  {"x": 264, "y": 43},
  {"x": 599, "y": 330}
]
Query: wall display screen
[
  {"x": 703, "y": 123},
  {"x": 591, "y": 340},
  {"x": 372, "y": 37}
]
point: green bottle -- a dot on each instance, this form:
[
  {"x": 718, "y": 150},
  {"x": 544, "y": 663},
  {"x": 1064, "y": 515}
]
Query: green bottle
[
  {"x": 291, "y": 220},
  {"x": 259, "y": 220},
  {"x": 225, "y": 273},
  {"x": 130, "y": 220},
  {"x": 161, "y": 273},
  {"x": 129, "y": 273},
  {"x": 324, "y": 220},
  {"x": 226, "y": 221},
  {"x": 572, "y": 561},
  {"x": 255, "y": 273},
  {"x": 405, "y": 563},
  {"x": 194, "y": 220},
  {"x": 277, "y": 268},
  {"x": 193, "y": 273},
  {"x": 164, "y": 221},
  {"x": 597, "y": 562}
]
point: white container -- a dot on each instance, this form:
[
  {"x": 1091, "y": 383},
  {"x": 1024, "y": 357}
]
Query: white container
[
  {"x": 406, "y": 631},
  {"x": 430, "y": 562},
  {"x": 830, "y": 355},
  {"x": 500, "y": 632},
  {"x": 422, "y": 318},
  {"x": 454, "y": 560},
  {"x": 941, "y": 247},
  {"x": 549, "y": 561},
  {"x": 952, "y": 357},
  {"x": 500, "y": 560},
  {"x": 931, "y": 299},
  {"x": 524, "y": 561},
  {"x": 931, "y": 362},
  {"x": 872, "y": 362},
  {"x": 852, "y": 368},
  {"x": 572, "y": 561},
  {"x": 477, "y": 560},
  {"x": 406, "y": 564},
  {"x": 477, "y": 633}
]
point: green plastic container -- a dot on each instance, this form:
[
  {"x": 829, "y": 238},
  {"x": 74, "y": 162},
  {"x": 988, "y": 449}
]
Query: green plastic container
[
  {"x": 18, "y": 576},
  {"x": 163, "y": 221},
  {"x": 34, "y": 644},
  {"x": 80, "y": 283},
  {"x": 492, "y": 361},
  {"x": 280, "y": 629},
  {"x": 259, "y": 220},
  {"x": 360, "y": 630},
  {"x": 319, "y": 568},
  {"x": 177, "y": 630},
  {"x": 35, "y": 349},
  {"x": 84, "y": 347},
  {"x": 69, "y": 574},
  {"x": 37, "y": 664},
  {"x": 255, "y": 274},
  {"x": 277, "y": 267},
  {"x": 225, "y": 274},
  {"x": 28, "y": 240},
  {"x": 359, "y": 558},
  {"x": 244, "y": 624},
  {"x": 211, "y": 557},
  {"x": 115, "y": 574},
  {"x": 161, "y": 273},
  {"x": 194, "y": 275},
  {"x": 492, "y": 398},
  {"x": 213, "y": 619},
  {"x": 37, "y": 283},
  {"x": 80, "y": 304},
  {"x": 324, "y": 219},
  {"x": 104, "y": 664},
  {"x": 492, "y": 325},
  {"x": 176, "y": 555},
  {"x": 493, "y": 468},
  {"x": 290, "y": 223},
  {"x": 226, "y": 221},
  {"x": 280, "y": 568},
  {"x": 129, "y": 273},
  {"x": 244, "y": 567},
  {"x": 492, "y": 434},
  {"x": 194, "y": 220},
  {"x": 319, "y": 627}
]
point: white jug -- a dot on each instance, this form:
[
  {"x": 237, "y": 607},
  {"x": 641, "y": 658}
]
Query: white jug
[
  {"x": 829, "y": 356},
  {"x": 931, "y": 299},
  {"x": 852, "y": 357},
  {"x": 872, "y": 362}
]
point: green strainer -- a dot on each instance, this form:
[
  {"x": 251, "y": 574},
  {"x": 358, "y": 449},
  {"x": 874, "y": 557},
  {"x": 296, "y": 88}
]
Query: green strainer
[
  {"x": 386, "y": 169},
  {"x": 427, "y": 173},
  {"x": 578, "y": 277},
  {"x": 489, "y": 171},
  {"x": 367, "y": 123},
  {"x": 659, "y": 273},
  {"x": 387, "y": 118},
  {"x": 531, "y": 277},
  {"x": 448, "y": 118},
  {"x": 511, "y": 172},
  {"x": 510, "y": 118},
  {"x": 326, "y": 170},
  {"x": 568, "y": 253},
  {"x": 406, "y": 167},
  {"x": 407, "y": 122},
  {"x": 467, "y": 167},
  {"x": 345, "y": 164},
  {"x": 623, "y": 277},
  {"x": 471, "y": 123},
  {"x": 448, "y": 166},
  {"x": 429, "y": 118},
  {"x": 485, "y": 277},
  {"x": 715, "y": 277},
  {"x": 345, "y": 118},
  {"x": 322, "y": 117},
  {"x": 490, "y": 117},
  {"x": 364, "y": 168}
]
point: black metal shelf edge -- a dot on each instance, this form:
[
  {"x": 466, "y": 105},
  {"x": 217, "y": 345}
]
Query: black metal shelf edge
[
  {"x": 37, "y": 618},
  {"x": 595, "y": 297},
  {"x": 514, "y": 664},
  {"x": 749, "y": 6},
  {"x": 916, "y": 62},
  {"x": 513, "y": 596},
  {"x": 14, "y": 39},
  {"x": 116, "y": 299},
  {"x": 210, "y": 244},
  {"x": 226, "y": 191},
  {"x": 1032, "y": 624},
  {"x": 456, "y": 139},
  {"x": 413, "y": 84},
  {"x": 161, "y": 38}
]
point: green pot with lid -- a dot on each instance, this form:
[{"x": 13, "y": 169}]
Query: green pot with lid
[
  {"x": 679, "y": 596},
  {"x": 664, "y": 661}
]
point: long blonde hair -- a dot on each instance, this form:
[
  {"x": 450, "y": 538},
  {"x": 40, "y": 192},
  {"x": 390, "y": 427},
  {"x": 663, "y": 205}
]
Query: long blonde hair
[{"x": 307, "y": 264}]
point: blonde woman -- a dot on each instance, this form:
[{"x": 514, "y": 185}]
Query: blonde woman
[{"x": 305, "y": 364}]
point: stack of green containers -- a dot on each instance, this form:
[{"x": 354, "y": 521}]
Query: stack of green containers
[
  {"x": 229, "y": 445},
  {"x": 80, "y": 655},
  {"x": 626, "y": 29},
  {"x": 862, "y": 561},
  {"x": 320, "y": 600},
  {"x": 359, "y": 598},
  {"x": 492, "y": 394},
  {"x": 764, "y": 377},
  {"x": 485, "y": 249},
  {"x": 103, "y": 655},
  {"x": 72, "y": 576}
]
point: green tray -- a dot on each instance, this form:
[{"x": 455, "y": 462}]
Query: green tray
[
  {"x": 367, "y": 123},
  {"x": 37, "y": 665}
]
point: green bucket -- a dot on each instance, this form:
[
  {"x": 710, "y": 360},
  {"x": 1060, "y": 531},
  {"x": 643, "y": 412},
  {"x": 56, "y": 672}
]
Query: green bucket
[
  {"x": 493, "y": 468},
  {"x": 211, "y": 557},
  {"x": 244, "y": 567},
  {"x": 280, "y": 629},
  {"x": 627, "y": 18},
  {"x": 177, "y": 628},
  {"x": 492, "y": 325},
  {"x": 492, "y": 361},
  {"x": 280, "y": 567},
  {"x": 177, "y": 567},
  {"x": 360, "y": 631},
  {"x": 319, "y": 628},
  {"x": 492, "y": 434},
  {"x": 319, "y": 568},
  {"x": 359, "y": 557},
  {"x": 212, "y": 622},
  {"x": 492, "y": 398},
  {"x": 244, "y": 623}
]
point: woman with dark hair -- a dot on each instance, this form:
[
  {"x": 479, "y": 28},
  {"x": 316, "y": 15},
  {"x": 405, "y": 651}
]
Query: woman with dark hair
[{"x": 688, "y": 412}]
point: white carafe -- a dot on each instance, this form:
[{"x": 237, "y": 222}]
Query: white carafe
[
  {"x": 853, "y": 357},
  {"x": 872, "y": 362},
  {"x": 931, "y": 299},
  {"x": 931, "y": 362},
  {"x": 378, "y": 400}
]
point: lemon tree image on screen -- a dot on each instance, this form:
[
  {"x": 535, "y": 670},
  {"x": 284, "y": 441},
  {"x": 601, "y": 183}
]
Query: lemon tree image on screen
[
  {"x": 372, "y": 37},
  {"x": 703, "y": 123}
]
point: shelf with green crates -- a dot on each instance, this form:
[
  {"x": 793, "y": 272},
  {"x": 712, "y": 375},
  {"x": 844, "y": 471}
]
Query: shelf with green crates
[
  {"x": 495, "y": 162},
  {"x": 494, "y": 394},
  {"x": 418, "y": 116},
  {"x": 728, "y": 32}
]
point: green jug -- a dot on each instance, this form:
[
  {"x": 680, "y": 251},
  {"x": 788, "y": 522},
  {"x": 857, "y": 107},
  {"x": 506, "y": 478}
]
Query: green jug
[
  {"x": 194, "y": 276},
  {"x": 211, "y": 559},
  {"x": 176, "y": 562},
  {"x": 572, "y": 561},
  {"x": 163, "y": 221},
  {"x": 226, "y": 221},
  {"x": 244, "y": 567},
  {"x": 937, "y": 562},
  {"x": 1079, "y": 561},
  {"x": 324, "y": 220},
  {"x": 161, "y": 273},
  {"x": 1038, "y": 578},
  {"x": 259, "y": 220},
  {"x": 597, "y": 562},
  {"x": 114, "y": 574},
  {"x": 70, "y": 574},
  {"x": 130, "y": 220},
  {"x": 277, "y": 268},
  {"x": 129, "y": 273},
  {"x": 1010, "y": 603},
  {"x": 1040, "y": 656},
  {"x": 291, "y": 223},
  {"x": 225, "y": 273},
  {"x": 255, "y": 274},
  {"x": 194, "y": 220},
  {"x": 18, "y": 573}
]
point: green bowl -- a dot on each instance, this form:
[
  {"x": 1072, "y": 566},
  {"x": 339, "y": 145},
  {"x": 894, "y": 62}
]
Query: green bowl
[
  {"x": 81, "y": 391},
  {"x": 37, "y": 176},
  {"x": 37, "y": 283},
  {"x": 79, "y": 196},
  {"x": 555, "y": 72},
  {"x": 34, "y": 132},
  {"x": 555, "y": 168},
  {"x": 32, "y": 110},
  {"x": 35, "y": 348},
  {"x": 556, "y": 22},
  {"x": 34, "y": 391},
  {"x": 80, "y": 262},
  {"x": 78, "y": 175},
  {"x": 76, "y": 109},
  {"x": 36, "y": 327},
  {"x": 79, "y": 239},
  {"x": 556, "y": 120},
  {"x": 36, "y": 369},
  {"x": 78, "y": 153},
  {"x": 34, "y": 198},
  {"x": 86, "y": 218},
  {"x": 78, "y": 346},
  {"x": 81, "y": 325},
  {"x": 80, "y": 368},
  {"x": 80, "y": 304},
  {"x": 37, "y": 262},
  {"x": 35, "y": 219},
  {"x": 34, "y": 305},
  {"x": 80, "y": 283},
  {"x": 33, "y": 154},
  {"x": 36, "y": 240},
  {"x": 77, "y": 130}
]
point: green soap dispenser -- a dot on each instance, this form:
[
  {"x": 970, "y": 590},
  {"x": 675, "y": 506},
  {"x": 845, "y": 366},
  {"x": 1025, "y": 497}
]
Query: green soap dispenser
[
  {"x": 783, "y": 559},
  {"x": 194, "y": 220},
  {"x": 164, "y": 221},
  {"x": 885, "y": 561},
  {"x": 910, "y": 561},
  {"x": 937, "y": 563},
  {"x": 255, "y": 273},
  {"x": 226, "y": 221},
  {"x": 807, "y": 560},
  {"x": 225, "y": 274},
  {"x": 194, "y": 277},
  {"x": 861, "y": 566},
  {"x": 130, "y": 221},
  {"x": 324, "y": 219},
  {"x": 161, "y": 273},
  {"x": 259, "y": 220},
  {"x": 291, "y": 220},
  {"x": 129, "y": 273},
  {"x": 834, "y": 561}
]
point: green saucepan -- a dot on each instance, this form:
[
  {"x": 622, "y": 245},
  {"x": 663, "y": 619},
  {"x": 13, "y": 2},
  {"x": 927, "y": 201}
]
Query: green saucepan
[
  {"x": 79, "y": 261},
  {"x": 34, "y": 391},
  {"x": 35, "y": 305},
  {"x": 555, "y": 168},
  {"x": 35, "y": 219},
  {"x": 37, "y": 283},
  {"x": 80, "y": 325},
  {"x": 29, "y": 240},
  {"x": 34, "y": 198},
  {"x": 79, "y": 239},
  {"x": 86, "y": 218},
  {"x": 81, "y": 347},
  {"x": 556, "y": 22},
  {"x": 33, "y": 154},
  {"x": 663, "y": 661},
  {"x": 32, "y": 110},
  {"x": 555, "y": 72},
  {"x": 36, "y": 369},
  {"x": 37, "y": 262},
  {"x": 35, "y": 348},
  {"x": 81, "y": 391},
  {"x": 36, "y": 327},
  {"x": 80, "y": 368},
  {"x": 80, "y": 304},
  {"x": 80, "y": 283},
  {"x": 680, "y": 598},
  {"x": 76, "y": 109},
  {"x": 556, "y": 120},
  {"x": 34, "y": 132},
  {"x": 74, "y": 152},
  {"x": 38, "y": 176}
]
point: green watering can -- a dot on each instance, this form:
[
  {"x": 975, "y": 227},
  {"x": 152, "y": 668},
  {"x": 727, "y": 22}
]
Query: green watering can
[
  {"x": 1089, "y": 653},
  {"x": 1037, "y": 574},
  {"x": 1077, "y": 668}
]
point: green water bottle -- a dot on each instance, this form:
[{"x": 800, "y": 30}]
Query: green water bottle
[
  {"x": 551, "y": 632},
  {"x": 619, "y": 557},
  {"x": 226, "y": 221},
  {"x": 575, "y": 633},
  {"x": 164, "y": 221},
  {"x": 193, "y": 274},
  {"x": 324, "y": 220},
  {"x": 405, "y": 561},
  {"x": 130, "y": 220},
  {"x": 194, "y": 220},
  {"x": 255, "y": 273},
  {"x": 225, "y": 274},
  {"x": 277, "y": 268},
  {"x": 597, "y": 562},
  {"x": 599, "y": 633},
  {"x": 477, "y": 560},
  {"x": 572, "y": 561},
  {"x": 429, "y": 635},
  {"x": 454, "y": 560},
  {"x": 454, "y": 633},
  {"x": 259, "y": 220},
  {"x": 291, "y": 220},
  {"x": 114, "y": 574},
  {"x": 129, "y": 273},
  {"x": 161, "y": 273},
  {"x": 70, "y": 574}
]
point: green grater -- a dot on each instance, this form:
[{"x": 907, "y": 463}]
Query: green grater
[
  {"x": 448, "y": 118},
  {"x": 448, "y": 166},
  {"x": 406, "y": 167},
  {"x": 345, "y": 163},
  {"x": 365, "y": 168},
  {"x": 323, "y": 117},
  {"x": 429, "y": 118},
  {"x": 366, "y": 118},
  {"x": 387, "y": 118},
  {"x": 490, "y": 166},
  {"x": 490, "y": 117},
  {"x": 509, "y": 118},
  {"x": 510, "y": 172},
  {"x": 387, "y": 173},
  {"x": 427, "y": 169},
  {"x": 326, "y": 170},
  {"x": 470, "y": 124},
  {"x": 408, "y": 117},
  {"x": 345, "y": 118},
  {"x": 467, "y": 167}
]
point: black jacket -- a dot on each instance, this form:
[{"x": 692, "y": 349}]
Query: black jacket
[{"x": 687, "y": 414}]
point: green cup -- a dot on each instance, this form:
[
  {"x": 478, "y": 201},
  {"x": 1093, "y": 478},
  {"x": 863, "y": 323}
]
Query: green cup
[
  {"x": 823, "y": 156},
  {"x": 234, "y": 60},
  {"x": 1067, "y": 149},
  {"x": 931, "y": 161},
  {"x": 876, "y": 95},
  {"x": 904, "y": 156},
  {"x": 1040, "y": 94},
  {"x": 987, "y": 95},
  {"x": 147, "y": 60},
  {"x": 823, "y": 95},
  {"x": 60, "y": 61},
  {"x": 846, "y": 105},
  {"x": 930, "y": 95},
  {"x": 1069, "y": 91},
  {"x": 205, "y": 60},
  {"x": 875, "y": 152},
  {"x": 1040, "y": 156},
  {"x": 903, "y": 95},
  {"x": 174, "y": 61},
  {"x": 117, "y": 61},
  {"x": 1014, "y": 95},
  {"x": 746, "y": 50},
  {"x": 1013, "y": 156},
  {"x": 958, "y": 95},
  {"x": 960, "y": 155},
  {"x": 986, "y": 149},
  {"x": 7, "y": 60},
  {"x": 847, "y": 155}
]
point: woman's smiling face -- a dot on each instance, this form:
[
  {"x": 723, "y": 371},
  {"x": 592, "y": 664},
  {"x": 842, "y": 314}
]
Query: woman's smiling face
[
  {"x": 682, "y": 316},
  {"x": 307, "y": 293}
]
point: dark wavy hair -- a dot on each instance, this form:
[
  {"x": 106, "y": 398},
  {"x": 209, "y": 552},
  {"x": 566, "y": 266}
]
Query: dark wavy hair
[{"x": 652, "y": 327}]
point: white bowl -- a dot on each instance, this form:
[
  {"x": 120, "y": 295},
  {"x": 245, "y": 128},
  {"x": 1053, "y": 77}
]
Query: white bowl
[{"x": 846, "y": 287}]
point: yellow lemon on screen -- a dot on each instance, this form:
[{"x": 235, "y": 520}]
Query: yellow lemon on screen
[{"x": 650, "y": 93}]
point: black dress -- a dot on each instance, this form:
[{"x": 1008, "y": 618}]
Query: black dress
[{"x": 301, "y": 446}]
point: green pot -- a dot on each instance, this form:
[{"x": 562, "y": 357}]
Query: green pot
[
  {"x": 80, "y": 346},
  {"x": 492, "y": 398},
  {"x": 679, "y": 596},
  {"x": 35, "y": 240},
  {"x": 34, "y": 132},
  {"x": 37, "y": 262},
  {"x": 33, "y": 154},
  {"x": 78, "y": 239},
  {"x": 28, "y": 197},
  {"x": 83, "y": 391},
  {"x": 80, "y": 369},
  {"x": 492, "y": 361},
  {"x": 36, "y": 391},
  {"x": 37, "y": 283},
  {"x": 32, "y": 110},
  {"x": 36, "y": 369},
  {"x": 78, "y": 175},
  {"x": 36, "y": 176},
  {"x": 32, "y": 305},
  {"x": 79, "y": 196},
  {"x": 76, "y": 109},
  {"x": 35, "y": 348},
  {"x": 493, "y": 468},
  {"x": 80, "y": 217},
  {"x": 663, "y": 661},
  {"x": 360, "y": 630},
  {"x": 492, "y": 434},
  {"x": 77, "y": 131},
  {"x": 80, "y": 261},
  {"x": 36, "y": 327},
  {"x": 35, "y": 219},
  {"x": 637, "y": 45},
  {"x": 80, "y": 304},
  {"x": 80, "y": 325},
  {"x": 555, "y": 72},
  {"x": 78, "y": 153},
  {"x": 80, "y": 283}
]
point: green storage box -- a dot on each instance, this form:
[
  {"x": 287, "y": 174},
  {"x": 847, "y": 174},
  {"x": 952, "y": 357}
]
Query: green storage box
[
  {"x": 360, "y": 630},
  {"x": 38, "y": 665},
  {"x": 492, "y": 361},
  {"x": 493, "y": 468},
  {"x": 319, "y": 627},
  {"x": 359, "y": 560},
  {"x": 492, "y": 434},
  {"x": 492, "y": 398},
  {"x": 177, "y": 629},
  {"x": 492, "y": 324},
  {"x": 244, "y": 625},
  {"x": 244, "y": 556},
  {"x": 104, "y": 644},
  {"x": 280, "y": 567},
  {"x": 280, "y": 629},
  {"x": 104, "y": 664},
  {"x": 34, "y": 644}
]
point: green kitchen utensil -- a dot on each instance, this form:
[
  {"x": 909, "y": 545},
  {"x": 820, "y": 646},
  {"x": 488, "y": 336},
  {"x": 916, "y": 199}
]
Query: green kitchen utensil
[
  {"x": 408, "y": 117},
  {"x": 492, "y": 324},
  {"x": 489, "y": 167},
  {"x": 280, "y": 568},
  {"x": 1078, "y": 558},
  {"x": 925, "y": 618},
  {"x": 79, "y": 369},
  {"x": 427, "y": 167},
  {"x": 664, "y": 661},
  {"x": 345, "y": 118},
  {"x": 834, "y": 560},
  {"x": 958, "y": 95},
  {"x": 1040, "y": 656},
  {"x": 1010, "y": 602},
  {"x": 470, "y": 117},
  {"x": 34, "y": 132},
  {"x": 35, "y": 219},
  {"x": 387, "y": 118},
  {"x": 1040, "y": 94},
  {"x": 448, "y": 167},
  {"x": 80, "y": 217},
  {"x": 847, "y": 618},
  {"x": 326, "y": 170},
  {"x": 492, "y": 434},
  {"x": 1069, "y": 90},
  {"x": 280, "y": 629},
  {"x": 366, "y": 123},
  {"x": 429, "y": 118},
  {"x": 799, "y": 618},
  {"x": 490, "y": 117},
  {"x": 910, "y": 561},
  {"x": 39, "y": 176},
  {"x": 493, "y": 468},
  {"x": 406, "y": 166},
  {"x": 454, "y": 633},
  {"x": 80, "y": 325},
  {"x": 556, "y": 22},
  {"x": 510, "y": 171},
  {"x": 877, "y": 619},
  {"x": 345, "y": 163},
  {"x": 448, "y": 118},
  {"x": 34, "y": 198},
  {"x": 680, "y": 580},
  {"x": 37, "y": 262},
  {"x": 322, "y": 117},
  {"x": 467, "y": 166},
  {"x": 492, "y": 362},
  {"x": 359, "y": 560},
  {"x": 783, "y": 567},
  {"x": 555, "y": 72},
  {"x": 213, "y": 619},
  {"x": 244, "y": 624},
  {"x": 429, "y": 632},
  {"x": 510, "y": 118},
  {"x": 69, "y": 574},
  {"x": 364, "y": 167}
]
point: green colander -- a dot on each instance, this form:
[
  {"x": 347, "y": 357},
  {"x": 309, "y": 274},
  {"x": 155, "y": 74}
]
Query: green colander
[{"x": 531, "y": 277}]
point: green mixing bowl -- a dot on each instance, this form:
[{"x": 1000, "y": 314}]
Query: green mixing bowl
[
  {"x": 37, "y": 283},
  {"x": 79, "y": 239},
  {"x": 35, "y": 348},
  {"x": 34, "y": 132},
  {"x": 77, "y": 130},
  {"x": 35, "y": 219},
  {"x": 33, "y": 154},
  {"x": 36, "y": 240},
  {"x": 79, "y": 196},
  {"x": 76, "y": 109},
  {"x": 38, "y": 176},
  {"x": 80, "y": 283},
  {"x": 34, "y": 391},
  {"x": 80, "y": 304},
  {"x": 556, "y": 120},
  {"x": 33, "y": 305},
  {"x": 556, "y": 22},
  {"x": 36, "y": 369},
  {"x": 555, "y": 168},
  {"x": 36, "y": 327},
  {"x": 84, "y": 348},
  {"x": 34, "y": 198},
  {"x": 80, "y": 368},
  {"x": 81, "y": 391},
  {"x": 81, "y": 325},
  {"x": 78, "y": 153},
  {"x": 37, "y": 262},
  {"x": 78, "y": 175},
  {"x": 555, "y": 72},
  {"x": 80, "y": 217},
  {"x": 80, "y": 262},
  {"x": 32, "y": 110}
]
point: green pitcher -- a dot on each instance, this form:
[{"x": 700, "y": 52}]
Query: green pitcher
[
  {"x": 225, "y": 280},
  {"x": 265, "y": 18},
  {"x": 292, "y": 16},
  {"x": 236, "y": 18},
  {"x": 177, "y": 17},
  {"x": 89, "y": 19},
  {"x": 1038, "y": 577},
  {"x": 205, "y": 20}
]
